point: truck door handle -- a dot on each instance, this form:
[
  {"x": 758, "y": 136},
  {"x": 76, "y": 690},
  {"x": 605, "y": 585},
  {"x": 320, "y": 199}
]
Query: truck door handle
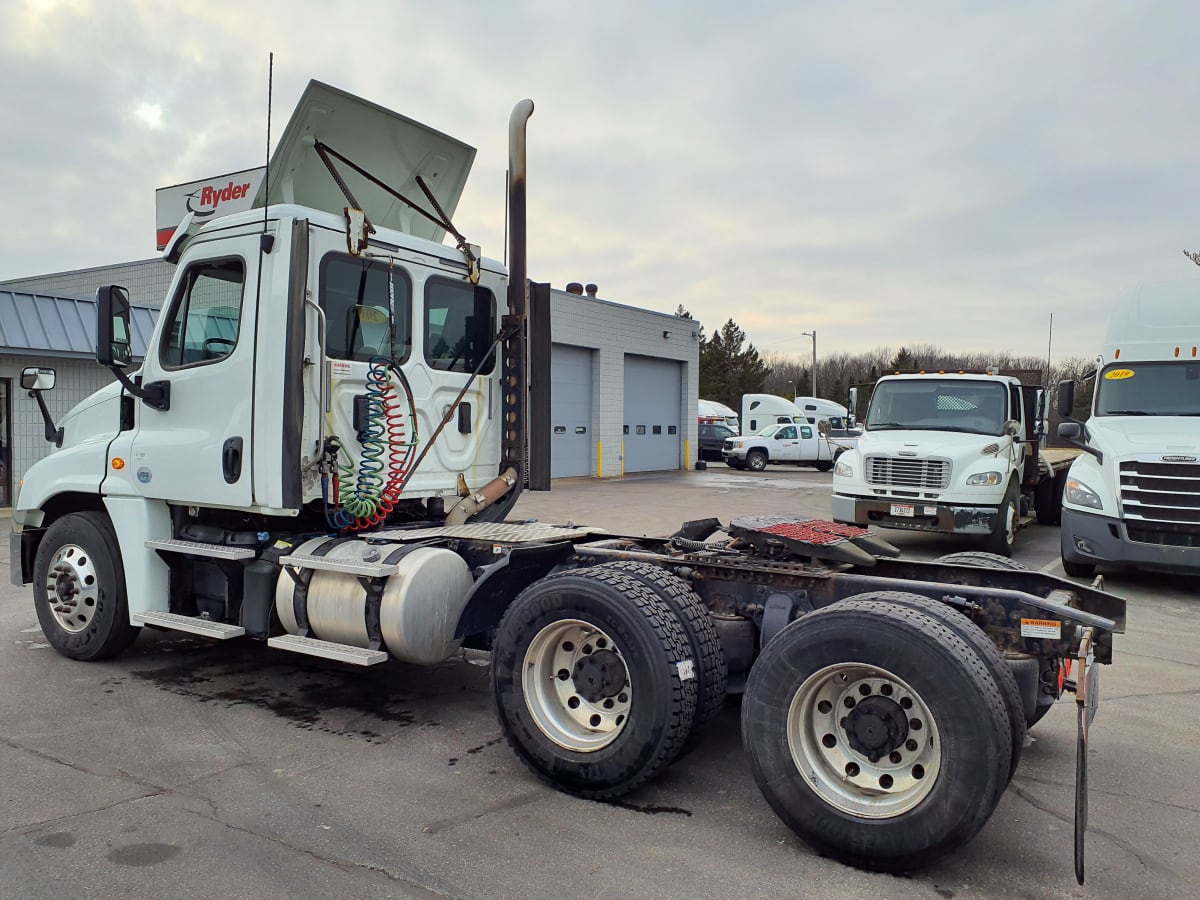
[{"x": 231, "y": 459}]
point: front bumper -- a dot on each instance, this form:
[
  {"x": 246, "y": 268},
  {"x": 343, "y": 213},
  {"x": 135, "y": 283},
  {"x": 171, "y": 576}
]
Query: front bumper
[
  {"x": 926, "y": 515},
  {"x": 1090, "y": 539}
]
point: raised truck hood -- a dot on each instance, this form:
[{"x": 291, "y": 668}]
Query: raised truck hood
[{"x": 392, "y": 147}]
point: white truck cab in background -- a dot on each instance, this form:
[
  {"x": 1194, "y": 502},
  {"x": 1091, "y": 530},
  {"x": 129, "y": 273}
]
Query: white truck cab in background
[
  {"x": 954, "y": 453},
  {"x": 841, "y": 424},
  {"x": 1132, "y": 498},
  {"x": 712, "y": 412}
]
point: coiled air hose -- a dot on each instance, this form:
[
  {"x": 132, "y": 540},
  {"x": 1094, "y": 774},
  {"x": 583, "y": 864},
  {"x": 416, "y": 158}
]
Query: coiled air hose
[{"x": 371, "y": 499}]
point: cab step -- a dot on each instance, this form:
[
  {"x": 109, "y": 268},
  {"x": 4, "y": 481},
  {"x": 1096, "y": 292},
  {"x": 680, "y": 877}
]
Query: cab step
[
  {"x": 192, "y": 624},
  {"x": 195, "y": 548},
  {"x": 356, "y": 656},
  {"x": 345, "y": 566}
]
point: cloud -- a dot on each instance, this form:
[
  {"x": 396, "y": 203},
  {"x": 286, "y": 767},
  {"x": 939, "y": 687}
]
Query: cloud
[{"x": 927, "y": 172}]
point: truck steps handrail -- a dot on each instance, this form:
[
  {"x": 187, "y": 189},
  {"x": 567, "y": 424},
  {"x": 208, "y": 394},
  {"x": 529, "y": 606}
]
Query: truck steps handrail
[
  {"x": 195, "y": 548},
  {"x": 356, "y": 656},
  {"x": 191, "y": 624},
  {"x": 345, "y": 566}
]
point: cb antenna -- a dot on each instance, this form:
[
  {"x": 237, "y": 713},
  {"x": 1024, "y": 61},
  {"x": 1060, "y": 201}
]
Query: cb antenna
[{"x": 266, "y": 239}]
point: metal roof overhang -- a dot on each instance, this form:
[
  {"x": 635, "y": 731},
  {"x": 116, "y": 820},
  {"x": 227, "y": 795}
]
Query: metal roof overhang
[{"x": 44, "y": 325}]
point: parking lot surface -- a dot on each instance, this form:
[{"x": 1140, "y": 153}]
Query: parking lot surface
[{"x": 187, "y": 769}]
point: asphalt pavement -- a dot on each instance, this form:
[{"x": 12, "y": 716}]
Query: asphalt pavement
[{"x": 189, "y": 769}]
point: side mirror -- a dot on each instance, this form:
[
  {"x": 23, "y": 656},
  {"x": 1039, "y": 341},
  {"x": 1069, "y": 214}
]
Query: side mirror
[
  {"x": 37, "y": 378},
  {"x": 853, "y": 404},
  {"x": 823, "y": 428},
  {"x": 112, "y": 327},
  {"x": 1012, "y": 428},
  {"x": 1069, "y": 430},
  {"x": 1066, "y": 400}
]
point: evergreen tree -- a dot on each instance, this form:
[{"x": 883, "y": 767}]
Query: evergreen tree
[{"x": 730, "y": 367}]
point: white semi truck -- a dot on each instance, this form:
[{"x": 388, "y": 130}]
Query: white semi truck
[
  {"x": 1132, "y": 497},
  {"x": 953, "y": 453},
  {"x": 319, "y": 449}
]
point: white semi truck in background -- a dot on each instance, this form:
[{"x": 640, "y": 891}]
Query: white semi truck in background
[
  {"x": 957, "y": 453},
  {"x": 710, "y": 412},
  {"x": 332, "y": 420},
  {"x": 1132, "y": 497}
]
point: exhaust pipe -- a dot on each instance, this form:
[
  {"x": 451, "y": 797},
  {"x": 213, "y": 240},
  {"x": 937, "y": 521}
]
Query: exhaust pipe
[
  {"x": 513, "y": 396},
  {"x": 475, "y": 503}
]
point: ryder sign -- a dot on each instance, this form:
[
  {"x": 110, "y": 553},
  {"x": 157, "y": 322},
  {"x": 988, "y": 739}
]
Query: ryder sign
[{"x": 209, "y": 198}]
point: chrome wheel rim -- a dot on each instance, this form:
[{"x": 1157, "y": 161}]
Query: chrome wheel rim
[
  {"x": 576, "y": 685},
  {"x": 72, "y": 588},
  {"x": 864, "y": 740}
]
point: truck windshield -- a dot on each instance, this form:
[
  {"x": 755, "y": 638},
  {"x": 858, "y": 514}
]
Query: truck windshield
[
  {"x": 1149, "y": 389},
  {"x": 977, "y": 407}
]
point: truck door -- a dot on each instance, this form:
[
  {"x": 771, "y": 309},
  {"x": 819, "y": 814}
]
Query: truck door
[
  {"x": 198, "y": 451},
  {"x": 785, "y": 444}
]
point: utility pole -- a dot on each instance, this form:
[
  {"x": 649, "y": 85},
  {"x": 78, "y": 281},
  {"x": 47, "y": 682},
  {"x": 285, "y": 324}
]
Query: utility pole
[{"x": 814, "y": 362}]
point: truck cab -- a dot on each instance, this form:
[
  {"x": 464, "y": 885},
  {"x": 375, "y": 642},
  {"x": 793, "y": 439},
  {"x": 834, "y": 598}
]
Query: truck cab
[
  {"x": 943, "y": 452},
  {"x": 1132, "y": 498},
  {"x": 316, "y": 368}
]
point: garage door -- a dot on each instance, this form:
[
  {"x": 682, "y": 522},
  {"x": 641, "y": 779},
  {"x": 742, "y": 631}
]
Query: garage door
[
  {"x": 653, "y": 389},
  {"x": 570, "y": 411}
]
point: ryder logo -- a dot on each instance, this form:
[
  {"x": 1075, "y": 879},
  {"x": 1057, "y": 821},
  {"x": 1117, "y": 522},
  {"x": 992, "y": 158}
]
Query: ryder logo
[{"x": 203, "y": 201}]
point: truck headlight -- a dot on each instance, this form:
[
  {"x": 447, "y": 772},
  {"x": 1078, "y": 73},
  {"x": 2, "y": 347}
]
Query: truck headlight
[
  {"x": 845, "y": 470},
  {"x": 984, "y": 478},
  {"x": 1081, "y": 495}
]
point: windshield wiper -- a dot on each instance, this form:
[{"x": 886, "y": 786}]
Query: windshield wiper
[
  {"x": 1128, "y": 412},
  {"x": 871, "y": 426}
]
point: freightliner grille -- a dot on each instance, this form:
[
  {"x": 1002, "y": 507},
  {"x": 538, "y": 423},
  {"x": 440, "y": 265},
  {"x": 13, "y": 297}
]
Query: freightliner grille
[
  {"x": 1161, "y": 502},
  {"x": 897, "y": 471}
]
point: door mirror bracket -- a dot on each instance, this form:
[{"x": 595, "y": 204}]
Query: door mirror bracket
[{"x": 114, "y": 349}]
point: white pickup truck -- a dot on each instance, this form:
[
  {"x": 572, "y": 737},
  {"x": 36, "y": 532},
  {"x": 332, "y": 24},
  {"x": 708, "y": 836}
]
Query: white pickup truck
[{"x": 780, "y": 443}]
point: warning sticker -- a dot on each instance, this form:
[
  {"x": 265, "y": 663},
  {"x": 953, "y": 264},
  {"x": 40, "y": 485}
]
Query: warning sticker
[
  {"x": 339, "y": 368},
  {"x": 1118, "y": 374},
  {"x": 687, "y": 669},
  {"x": 1041, "y": 628}
]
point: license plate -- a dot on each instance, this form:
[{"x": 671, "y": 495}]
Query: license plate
[{"x": 903, "y": 509}]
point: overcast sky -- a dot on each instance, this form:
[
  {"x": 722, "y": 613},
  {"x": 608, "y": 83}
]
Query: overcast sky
[{"x": 887, "y": 173}]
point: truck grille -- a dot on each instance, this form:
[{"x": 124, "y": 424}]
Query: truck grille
[
  {"x": 929, "y": 474},
  {"x": 1161, "y": 502}
]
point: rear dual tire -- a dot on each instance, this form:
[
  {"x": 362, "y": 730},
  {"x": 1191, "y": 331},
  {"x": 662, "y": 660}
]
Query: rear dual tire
[
  {"x": 595, "y": 682},
  {"x": 877, "y": 734}
]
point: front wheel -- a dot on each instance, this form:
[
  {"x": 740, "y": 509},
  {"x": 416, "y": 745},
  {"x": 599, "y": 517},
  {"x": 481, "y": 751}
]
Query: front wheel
[
  {"x": 79, "y": 588},
  {"x": 824, "y": 466},
  {"x": 594, "y": 680},
  {"x": 1004, "y": 532},
  {"x": 756, "y": 460},
  {"x": 876, "y": 734}
]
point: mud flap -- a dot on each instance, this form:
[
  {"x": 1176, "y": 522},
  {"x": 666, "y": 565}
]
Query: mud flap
[{"x": 1087, "y": 700}]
